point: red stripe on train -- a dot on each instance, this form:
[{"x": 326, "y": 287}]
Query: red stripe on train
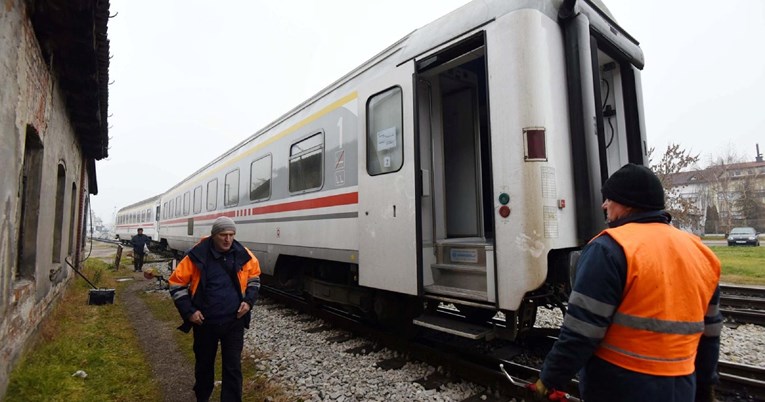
[
  {"x": 330, "y": 201},
  {"x": 322, "y": 202}
]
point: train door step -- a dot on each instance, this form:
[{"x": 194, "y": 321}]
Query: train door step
[{"x": 452, "y": 326}]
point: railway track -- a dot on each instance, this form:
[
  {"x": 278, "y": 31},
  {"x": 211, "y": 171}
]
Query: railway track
[
  {"x": 743, "y": 304},
  {"x": 742, "y": 381},
  {"x": 478, "y": 362}
]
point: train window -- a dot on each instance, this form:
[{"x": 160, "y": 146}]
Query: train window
[
  {"x": 231, "y": 188},
  {"x": 148, "y": 215},
  {"x": 171, "y": 209},
  {"x": 186, "y": 203},
  {"x": 305, "y": 168},
  {"x": 178, "y": 206},
  {"x": 260, "y": 179},
  {"x": 198, "y": 199},
  {"x": 385, "y": 151},
  {"x": 212, "y": 194},
  {"x": 164, "y": 210}
]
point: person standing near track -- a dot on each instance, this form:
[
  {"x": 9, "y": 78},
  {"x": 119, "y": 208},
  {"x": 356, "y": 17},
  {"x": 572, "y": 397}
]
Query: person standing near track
[
  {"x": 214, "y": 288},
  {"x": 139, "y": 242},
  {"x": 643, "y": 320}
]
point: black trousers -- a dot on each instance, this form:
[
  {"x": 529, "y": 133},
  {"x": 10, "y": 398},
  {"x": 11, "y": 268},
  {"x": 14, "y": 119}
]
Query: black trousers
[
  {"x": 231, "y": 338},
  {"x": 138, "y": 261}
]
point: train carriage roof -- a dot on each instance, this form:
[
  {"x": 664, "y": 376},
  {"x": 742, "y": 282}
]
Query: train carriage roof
[{"x": 422, "y": 40}]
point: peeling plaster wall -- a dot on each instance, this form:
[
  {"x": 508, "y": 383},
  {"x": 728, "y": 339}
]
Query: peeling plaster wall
[{"x": 30, "y": 97}]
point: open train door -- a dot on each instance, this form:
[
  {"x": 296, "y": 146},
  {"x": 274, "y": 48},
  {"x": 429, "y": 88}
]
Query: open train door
[{"x": 388, "y": 204}]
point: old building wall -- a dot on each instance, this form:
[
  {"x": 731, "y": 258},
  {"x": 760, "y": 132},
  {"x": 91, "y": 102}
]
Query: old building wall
[{"x": 31, "y": 104}]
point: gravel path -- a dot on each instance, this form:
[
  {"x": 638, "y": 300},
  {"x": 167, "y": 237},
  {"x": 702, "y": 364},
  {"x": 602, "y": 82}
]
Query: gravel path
[
  {"x": 314, "y": 367},
  {"x": 168, "y": 363}
]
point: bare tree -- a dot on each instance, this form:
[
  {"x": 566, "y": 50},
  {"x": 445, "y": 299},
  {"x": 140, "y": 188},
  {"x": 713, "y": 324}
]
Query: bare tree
[
  {"x": 749, "y": 203},
  {"x": 681, "y": 205},
  {"x": 725, "y": 188}
]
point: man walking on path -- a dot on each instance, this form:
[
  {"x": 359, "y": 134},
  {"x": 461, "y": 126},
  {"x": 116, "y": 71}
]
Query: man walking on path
[
  {"x": 140, "y": 242},
  {"x": 214, "y": 288}
]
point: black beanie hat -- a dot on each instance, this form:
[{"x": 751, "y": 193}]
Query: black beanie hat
[{"x": 635, "y": 186}]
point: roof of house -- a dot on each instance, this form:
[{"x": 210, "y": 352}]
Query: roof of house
[
  {"x": 709, "y": 174},
  {"x": 73, "y": 39}
]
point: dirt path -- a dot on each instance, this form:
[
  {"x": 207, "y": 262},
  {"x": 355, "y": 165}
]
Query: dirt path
[{"x": 169, "y": 367}]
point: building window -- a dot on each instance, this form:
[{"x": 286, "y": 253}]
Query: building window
[
  {"x": 260, "y": 179},
  {"x": 58, "y": 223},
  {"x": 385, "y": 146},
  {"x": 72, "y": 216},
  {"x": 31, "y": 186},
  {"x": 306, "y": 161}
]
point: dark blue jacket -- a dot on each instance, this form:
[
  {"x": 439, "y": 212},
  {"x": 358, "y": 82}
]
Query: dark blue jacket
[
  {"x": 138, "y": 241},
  {"x": 188, "y": 283}
]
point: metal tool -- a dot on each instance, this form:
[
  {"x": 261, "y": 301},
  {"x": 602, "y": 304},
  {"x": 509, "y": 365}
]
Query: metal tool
[{"x": 524, "y": 384}]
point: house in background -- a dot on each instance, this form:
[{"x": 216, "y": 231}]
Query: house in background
[{"x": 720, "y": 197}]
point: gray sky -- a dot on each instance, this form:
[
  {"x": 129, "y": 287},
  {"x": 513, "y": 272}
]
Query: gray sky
[{"x": 192, "y": 79}]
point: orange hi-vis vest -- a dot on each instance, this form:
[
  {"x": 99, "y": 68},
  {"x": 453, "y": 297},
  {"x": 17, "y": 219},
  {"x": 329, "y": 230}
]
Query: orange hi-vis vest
[{"x": 671, "y": 278}]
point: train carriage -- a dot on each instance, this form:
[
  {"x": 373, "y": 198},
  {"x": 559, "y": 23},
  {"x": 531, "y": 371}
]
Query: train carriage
[
  {"x": 460, "y": 165},
  {"x": 143, "y": 215}
]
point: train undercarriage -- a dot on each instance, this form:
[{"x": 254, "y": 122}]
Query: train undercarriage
[{"x": 335, "y": 284}]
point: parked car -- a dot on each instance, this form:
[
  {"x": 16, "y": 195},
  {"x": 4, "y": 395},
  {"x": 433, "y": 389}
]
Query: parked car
[{"x": 744, "y": 236}]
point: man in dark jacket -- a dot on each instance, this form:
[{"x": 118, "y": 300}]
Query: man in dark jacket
[
  {"x": 643, "y": 320},
  {"x": 139, "y": 242},
  {"x": 214, "y": 288}
]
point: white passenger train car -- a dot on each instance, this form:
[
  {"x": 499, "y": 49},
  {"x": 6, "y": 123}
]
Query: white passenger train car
[
  {"x": 462, "y": 164},
  {"x": 143, "y": 215}
]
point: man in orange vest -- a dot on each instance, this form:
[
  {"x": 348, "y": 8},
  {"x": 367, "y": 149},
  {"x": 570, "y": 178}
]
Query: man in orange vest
[
  {"x": 214, "y": 288},
  {"x": 643, "y": 320}
]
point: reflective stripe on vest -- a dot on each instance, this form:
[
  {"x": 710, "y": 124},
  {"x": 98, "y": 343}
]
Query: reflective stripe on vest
[{"x": 671, "y": 277}]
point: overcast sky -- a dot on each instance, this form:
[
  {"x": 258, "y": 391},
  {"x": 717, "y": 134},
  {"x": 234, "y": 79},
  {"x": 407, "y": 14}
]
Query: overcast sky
[{"x": 191, "y": 78}]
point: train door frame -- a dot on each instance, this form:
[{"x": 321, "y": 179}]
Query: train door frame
[
  {"x": 456, "y": 172},
  {"x": 589, "y": 35},
  {"x": 389, "y": 228}
]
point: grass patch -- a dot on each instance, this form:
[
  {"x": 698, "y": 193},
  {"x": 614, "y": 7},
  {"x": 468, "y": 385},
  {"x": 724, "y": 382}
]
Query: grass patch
[
  {"x": 742, "y": 265},
  {"x": 76, "y": 336}
]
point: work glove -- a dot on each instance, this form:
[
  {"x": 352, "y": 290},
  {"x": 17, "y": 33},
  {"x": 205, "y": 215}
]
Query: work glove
[
  {"x": 538, "y": 388},
  {"x": 705, "y": 393},
  {"x": 542, "y": 392}
]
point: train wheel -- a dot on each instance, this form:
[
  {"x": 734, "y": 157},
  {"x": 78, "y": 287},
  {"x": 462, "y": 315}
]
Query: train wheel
[{"x": 396, "y": 311}]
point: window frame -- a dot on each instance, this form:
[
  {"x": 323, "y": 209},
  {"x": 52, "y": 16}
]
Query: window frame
[
  {"x": 226, "y": 190},
  {"x": 301, "y": 155},
  {"x": 374, "y": 137},
  {"x": 214, "y": 195},
  {"x": 270, "y": 177}
]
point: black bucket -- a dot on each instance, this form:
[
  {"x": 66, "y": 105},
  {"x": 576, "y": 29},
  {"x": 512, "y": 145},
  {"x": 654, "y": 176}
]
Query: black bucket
[{"x": 100, "y": 296}]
